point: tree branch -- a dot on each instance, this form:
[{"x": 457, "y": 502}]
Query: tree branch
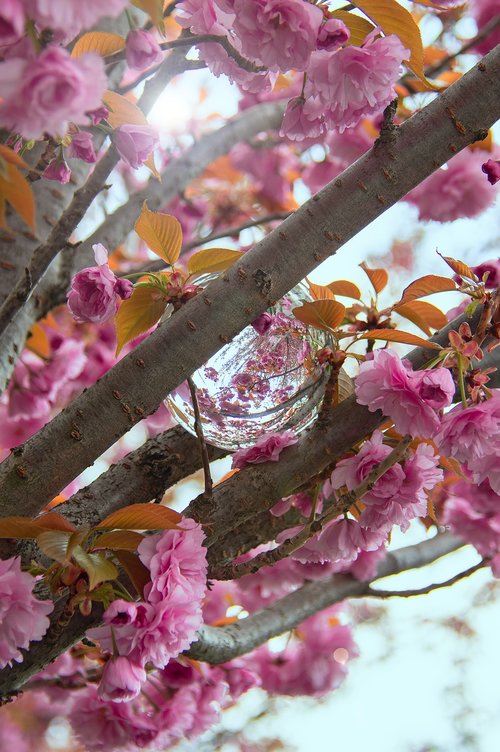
[
  {"x": 32, "y": 475},
  {"x": 221, "y": 644},
  {"x": 60, "y": 231},
  {"x": 377, "y": 593}
]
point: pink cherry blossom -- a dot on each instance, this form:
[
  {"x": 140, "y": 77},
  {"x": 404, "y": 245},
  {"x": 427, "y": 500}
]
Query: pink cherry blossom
[
  {"x": 207, "y": 17},
  {"x": 333, "y": 33},
  {"x": 484, "y": 11},
  {"x": 355, "y": 82},
  {"x": 96, "y": 292},
  {"x": 121, "y": 680},
  {"x": 399, "y": 495},
  {"x": 263, "y": 323},
  {"x": 491, "y": 168},
  {"x": 81, "y": 147},
  {"x": 313, "y": 665},
  {"x": 59, "y": 88},
  {"x": 409, "y": 398},
  {"x": 281, "y": 34},
  {"x": 142, "y": 49},
  {"x": 71, "y": 16},
  {"x": 57, "y": 170},
  {"x": 266, "y": 449},
  {"x": 493, "y": 269},
  {"x": 176, "y": 560},
  {"x": 135, "y": 143},
  {"x": 471, "y": 435},
  {"x": 456, "y": 192},
  {"x": 107, "y": 726},
  {"x": 23, "y": 618},
  {"x": 12, "y": 19}
]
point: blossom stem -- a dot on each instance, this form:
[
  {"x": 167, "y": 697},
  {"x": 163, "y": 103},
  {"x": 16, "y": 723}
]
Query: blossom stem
[
  {"x": 201, "y": 438},
  {"x": 314, "y": 526}
]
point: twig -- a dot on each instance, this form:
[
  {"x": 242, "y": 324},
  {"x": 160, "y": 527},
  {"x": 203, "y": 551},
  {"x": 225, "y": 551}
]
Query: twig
[
  {"x": 313, "y": 527},
  {"x": 376, "y": 593},
  {"x": 485, "y": 31},
  {"x": 201, "y": 438}
]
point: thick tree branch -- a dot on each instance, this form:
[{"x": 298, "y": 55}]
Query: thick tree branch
[
  {"x": 177, "y": 176},
  {"x": 256, "y": 488},
  {"x": 221, "y": 644},
  {"x": 179, "y": 173},
  {"x": 31, "y": 476},
  {"x": 14, "y": 321}
]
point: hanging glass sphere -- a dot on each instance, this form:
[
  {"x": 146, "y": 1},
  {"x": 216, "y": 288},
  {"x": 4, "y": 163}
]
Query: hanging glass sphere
[{"x": 266, "y": 379}]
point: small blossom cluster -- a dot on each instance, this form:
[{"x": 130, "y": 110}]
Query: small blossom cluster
[
  {"x": 410, "y": 398},
  {"x": 343, "y": 84},
  {"x": 473, "y": 512},
  {"x": 95, "y": 291},
  {"x": 163, "y": 625},
  {"x": 23, "y": 618}
]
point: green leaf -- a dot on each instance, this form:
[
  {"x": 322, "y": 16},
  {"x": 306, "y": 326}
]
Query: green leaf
[
  {"x": 161, "y": 233},
  {"x": 141, "y": 517},
  {"x": 98, "y": 568}
]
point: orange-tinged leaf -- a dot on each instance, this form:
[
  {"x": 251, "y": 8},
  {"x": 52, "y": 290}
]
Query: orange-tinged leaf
[
  {"x": 394, "y": 19},
  {"x": 25, "y": 527},
  {"x": 162, "y": 233},
  {"x": 393, "y": 335},
  {"x": 38, "y": 341},
  {"x": 54, "y": 521},
  {"x": 322, "y": 314},
  {"x": 154, "y": 9},
  {"x": 122, "y": 111},
  {"x": 119, "y": 540},
  {"x": 18, "y": 527},
  {"x": 98, "y": 568},
  {"x": 320, "y": 292},
  {"x": 459, "y": 267},
  {"x": 427, "y": 285},
  {"x": 138, "y": 574},
  {"x": 150, "y": 164},
  {"x": 357, "y": 25},
  {"x": 345, "y": 288},
  {"x": 15, "y": 189},
  {"x": 138, "y": 313},
  {"x": 424, "y": 315},
  {"x": 449, "y": 77},
  {"x": 378, "y": 277},
  {"x": 102, "y": 42},
  {"x": 11, "y": 157},
  {"x": 212, "y": 260},
  {"x": 142, "y": 517}
]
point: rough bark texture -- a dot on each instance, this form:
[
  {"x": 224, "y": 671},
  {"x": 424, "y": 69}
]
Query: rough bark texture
[
  {"x": 32, "y": 475},
  {"x": 217, "y": 645},
  {"x": 221, "y": 644},
  {"x": 52, "y": 287}
]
